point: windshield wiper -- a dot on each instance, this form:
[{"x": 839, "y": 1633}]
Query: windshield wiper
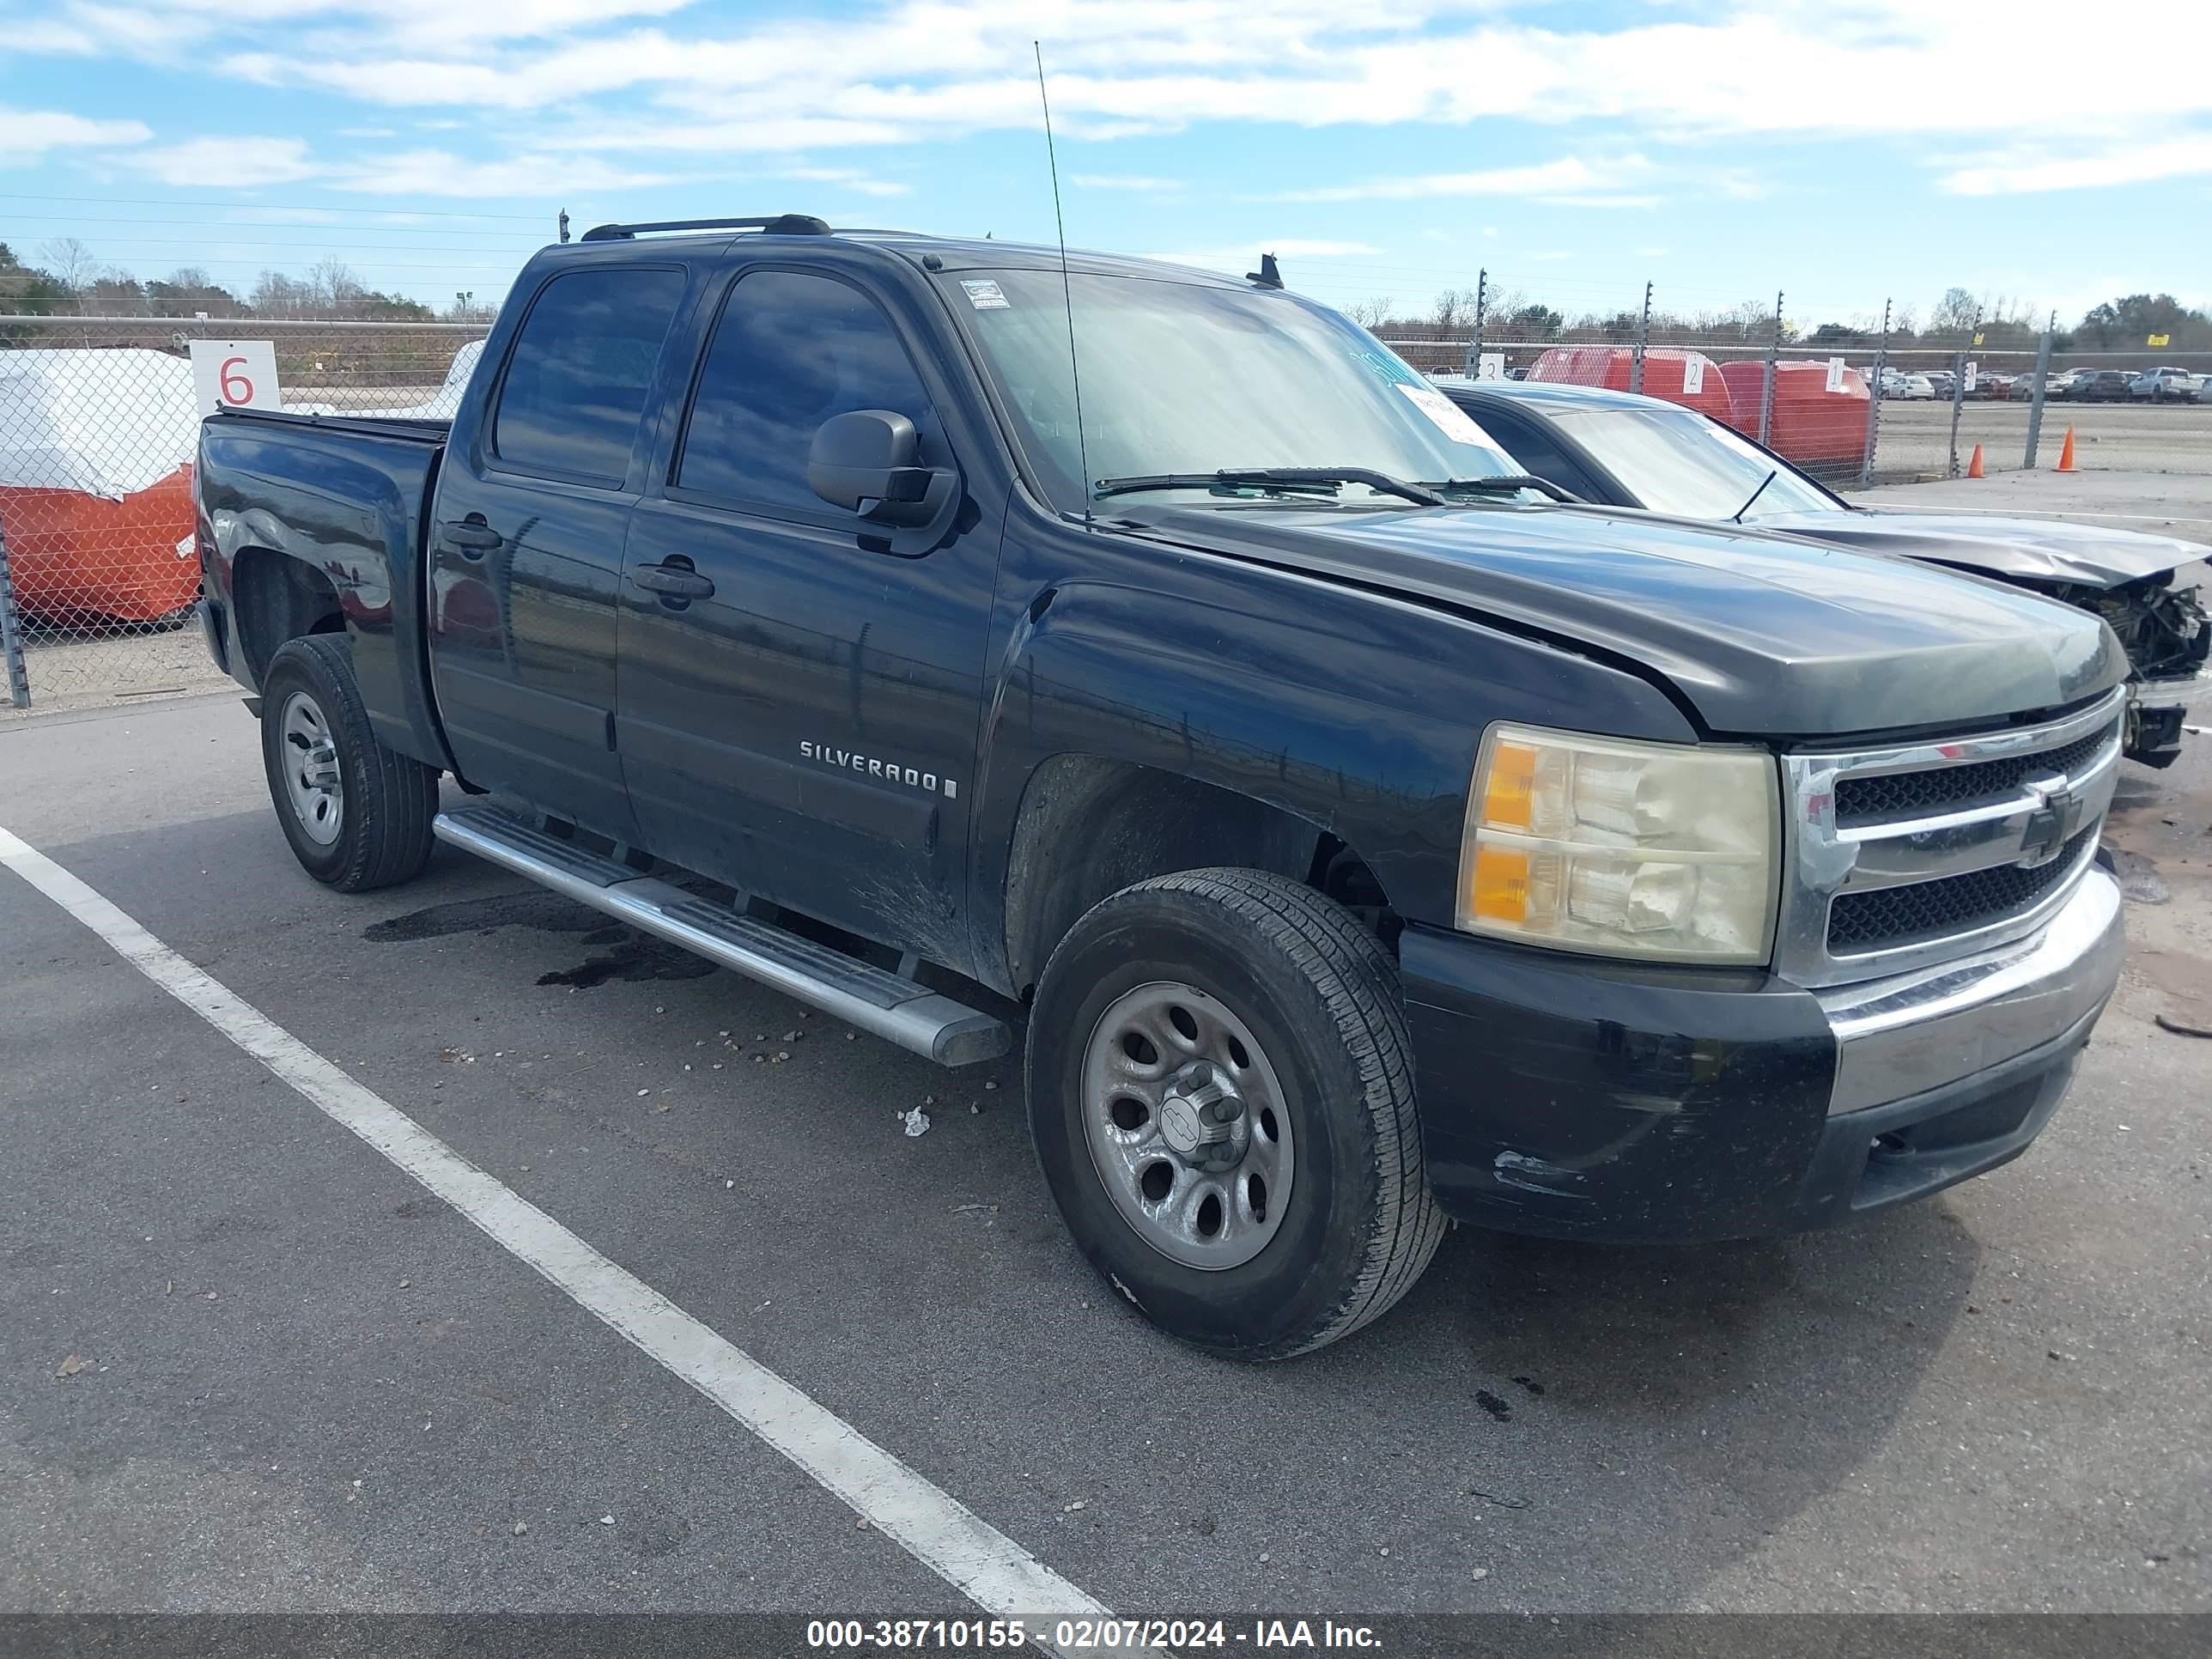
[
  {"x": 1506, "y": 485},
  {"x": 1291, "y": 479},
  {"x": 1757, "y": 493}
]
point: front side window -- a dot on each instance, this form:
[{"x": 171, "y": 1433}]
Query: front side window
[
  {"x": 583, "y": 364},
  {"x": 790, "y": 351},
  {"x": 1196, "y": 377}
]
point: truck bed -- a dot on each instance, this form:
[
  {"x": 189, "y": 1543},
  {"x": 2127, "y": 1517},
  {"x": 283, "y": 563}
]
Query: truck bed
[{"x": 350, "y": 496}]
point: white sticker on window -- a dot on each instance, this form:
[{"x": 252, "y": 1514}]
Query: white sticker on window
[
  {"x": 1449, "y": 418},
  {"x": 985, "y": 295}
]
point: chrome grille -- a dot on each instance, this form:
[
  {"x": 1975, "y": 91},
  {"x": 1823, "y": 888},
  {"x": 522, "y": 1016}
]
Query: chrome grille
[
  {"x": 1915, "y": 853},
  {"x": 1910, "y": 794},
  {"x": 1933, "y": 909}
]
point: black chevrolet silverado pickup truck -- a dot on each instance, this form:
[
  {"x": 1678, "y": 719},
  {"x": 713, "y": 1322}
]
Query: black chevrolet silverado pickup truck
[{"x": 1363, "y": 837}]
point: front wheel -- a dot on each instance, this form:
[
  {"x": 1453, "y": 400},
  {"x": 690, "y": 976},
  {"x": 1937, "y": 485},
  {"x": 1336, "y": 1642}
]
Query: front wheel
[
  {"x": 1221, "y": 1094},
  {"x": 357, "y": 815}
]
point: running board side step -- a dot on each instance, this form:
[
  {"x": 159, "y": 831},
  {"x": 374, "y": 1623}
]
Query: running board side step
[{"x": 889, "y": 1006}]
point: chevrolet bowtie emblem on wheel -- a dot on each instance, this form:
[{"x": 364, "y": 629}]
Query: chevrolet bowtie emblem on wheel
[{"x": 2056, "y": 815}]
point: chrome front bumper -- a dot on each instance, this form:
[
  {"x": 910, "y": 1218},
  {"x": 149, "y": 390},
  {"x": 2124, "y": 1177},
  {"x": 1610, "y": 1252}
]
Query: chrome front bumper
[{"x": 1907, "y": 1033}]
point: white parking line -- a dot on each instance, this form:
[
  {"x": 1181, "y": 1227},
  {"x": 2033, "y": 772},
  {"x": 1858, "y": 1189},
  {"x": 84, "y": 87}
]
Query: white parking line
[{"x": 974, "y": 1557}]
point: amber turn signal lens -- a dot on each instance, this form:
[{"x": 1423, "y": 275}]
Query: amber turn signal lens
[
  {"x": 1508, "y": 800},
  {"x": 1501, "y": 884}
]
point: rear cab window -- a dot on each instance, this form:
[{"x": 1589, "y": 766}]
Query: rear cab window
[{"x": 582, "y": 368}]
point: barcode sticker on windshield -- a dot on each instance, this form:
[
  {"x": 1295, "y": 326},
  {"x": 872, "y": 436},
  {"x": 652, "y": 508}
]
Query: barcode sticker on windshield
[
  {"x": 1450, "y": 419},
  {"x": 986, "y": 295}
]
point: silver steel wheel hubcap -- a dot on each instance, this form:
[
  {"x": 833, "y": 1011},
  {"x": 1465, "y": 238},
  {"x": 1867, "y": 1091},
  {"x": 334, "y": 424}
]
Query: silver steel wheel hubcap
[
  {"x": 311, "y": 768},
  {"x": 1185, "y": 1119}
]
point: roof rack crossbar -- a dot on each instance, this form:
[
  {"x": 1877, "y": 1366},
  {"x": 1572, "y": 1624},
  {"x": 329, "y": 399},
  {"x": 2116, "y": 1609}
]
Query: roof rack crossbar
[{"x": 783, "y": 224}]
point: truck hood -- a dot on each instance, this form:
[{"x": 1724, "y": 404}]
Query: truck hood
[
  {"x": 2020, "y": 550},
  {"x": 1765, "y": 636}
]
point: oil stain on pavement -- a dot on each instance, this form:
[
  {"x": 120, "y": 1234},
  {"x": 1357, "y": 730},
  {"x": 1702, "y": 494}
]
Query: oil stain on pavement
[{"x": 619, "y": 952}]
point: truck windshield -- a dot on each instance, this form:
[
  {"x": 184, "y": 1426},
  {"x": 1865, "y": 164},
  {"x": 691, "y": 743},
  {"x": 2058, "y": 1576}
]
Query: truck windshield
[
  {"x": 1190, "y": 378},
  {"x": 1680, "y": 462}
]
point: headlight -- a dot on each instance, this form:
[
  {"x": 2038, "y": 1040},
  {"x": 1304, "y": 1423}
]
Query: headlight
[{"x": 1662, "y": 851}]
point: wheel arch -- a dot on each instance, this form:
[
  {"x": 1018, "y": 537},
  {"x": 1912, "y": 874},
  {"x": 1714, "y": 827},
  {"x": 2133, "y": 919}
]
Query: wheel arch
[
  {"x": 275, "y": 597},
  {"x": 1089, "y": 825}
]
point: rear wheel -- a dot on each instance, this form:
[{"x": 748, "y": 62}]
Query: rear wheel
[
  {"x": 357, "y": 815},
  {"x": 1221, "y": 1094}
]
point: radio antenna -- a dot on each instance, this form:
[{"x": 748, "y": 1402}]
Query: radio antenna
[{"x": 1067, "y": 296}]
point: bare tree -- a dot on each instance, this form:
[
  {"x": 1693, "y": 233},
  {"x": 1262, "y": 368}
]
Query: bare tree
[
  {"x": 1452, "y": 304},
  {"x": 1955, "y": 312},
  {"x": 336, "y": 288},
  {"x": 1369, "y": 314},
  {"x": 70, "y": 261}
]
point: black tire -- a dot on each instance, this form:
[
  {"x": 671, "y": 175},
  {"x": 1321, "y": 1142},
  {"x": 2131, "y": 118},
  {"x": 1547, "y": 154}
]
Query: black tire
[
  {"x": 1321, "y": 999},
  {"x": 386, "y": 801}
]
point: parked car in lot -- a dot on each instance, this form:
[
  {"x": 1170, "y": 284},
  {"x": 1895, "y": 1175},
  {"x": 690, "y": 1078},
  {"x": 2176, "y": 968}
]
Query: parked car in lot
[
  {"x": 1630, "y": 452},
  {"x": 1990, "y": 385},
  {"x": 2164, "y": 386},
  {"x": 1942, "y": 382},
  {"x": 2100, "y": 385},
  {"x": 1361, "y": 837},
  {"x": 1902, "y": 384}
]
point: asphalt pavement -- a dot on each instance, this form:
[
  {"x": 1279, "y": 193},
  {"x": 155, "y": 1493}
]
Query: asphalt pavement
[{"x": 253, "y": 1365}]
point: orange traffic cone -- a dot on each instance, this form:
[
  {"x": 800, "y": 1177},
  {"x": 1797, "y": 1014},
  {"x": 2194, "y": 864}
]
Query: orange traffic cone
[
  {"x": 2066, "y": 451},
  {"x": 1974, "y": 466}
]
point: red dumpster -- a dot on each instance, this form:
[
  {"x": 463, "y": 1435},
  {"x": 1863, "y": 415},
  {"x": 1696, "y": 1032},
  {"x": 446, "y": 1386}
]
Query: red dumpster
[
  {"x": 95, "y": 482},
  {"x": 1667, "y": 369},
  {"x": 1811, "y": 425}
]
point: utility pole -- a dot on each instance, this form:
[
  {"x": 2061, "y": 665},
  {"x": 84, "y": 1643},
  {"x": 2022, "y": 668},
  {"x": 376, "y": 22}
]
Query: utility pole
[
  {"x": 2042, "y": 379},
  {"x": 1643, "y": 344},
  {"x": 1874, "y": 399},
  {"x": 1773, "y": 368},
  {"x": 1958, "y": 388},
  {"x": 1481, "y": 301},
  {"x": 11, "y": 637}
]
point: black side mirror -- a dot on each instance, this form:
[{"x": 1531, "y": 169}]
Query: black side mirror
[{"x": 869, "y": 462}]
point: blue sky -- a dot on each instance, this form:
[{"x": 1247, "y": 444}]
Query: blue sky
[{"x": 1843, "y": 151}]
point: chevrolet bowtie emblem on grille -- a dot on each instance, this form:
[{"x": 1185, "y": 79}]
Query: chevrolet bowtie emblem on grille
[{"x": 2056, "y": 817}]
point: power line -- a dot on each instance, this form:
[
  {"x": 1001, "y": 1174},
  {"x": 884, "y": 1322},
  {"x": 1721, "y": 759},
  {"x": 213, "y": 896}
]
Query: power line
[
  {"x": 262, "y": 224},
  {"x": 278, "y": 207}
]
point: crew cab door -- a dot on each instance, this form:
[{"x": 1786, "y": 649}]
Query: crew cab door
[
  {"x": 526, "y": 542},
  {"x": 798, "y": 694}
]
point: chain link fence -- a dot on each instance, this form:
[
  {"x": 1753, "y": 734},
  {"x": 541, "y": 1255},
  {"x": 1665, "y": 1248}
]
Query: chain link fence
[
  {"x": 98, "y": 426},
  {"x": 1852, "y": 404},
  {"x": 98, "y": 419}
]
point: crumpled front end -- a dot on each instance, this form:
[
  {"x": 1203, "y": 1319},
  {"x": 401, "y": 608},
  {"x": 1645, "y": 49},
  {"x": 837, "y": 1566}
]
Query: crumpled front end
[{"x": 2167, "y": 634}]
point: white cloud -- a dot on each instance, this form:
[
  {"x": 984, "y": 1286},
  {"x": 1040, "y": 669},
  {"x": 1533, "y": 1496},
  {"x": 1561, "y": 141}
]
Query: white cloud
[
  {"x": 440, "y": 172},
  {"x": 1546, "y": 178},
  {"x": 244, "y": 163},
  {"x": 850, "y": 179},
  {"x": 2134, "y": 164},
  {"x": 678, "y": 80},
  {"x": 930, "y": 67},
  {"x": 28, "y": 134},
  {"x": 1132, "y": 182},
  {"x": 1600, "y": 201},
  {"x": 228, "y": 163}
]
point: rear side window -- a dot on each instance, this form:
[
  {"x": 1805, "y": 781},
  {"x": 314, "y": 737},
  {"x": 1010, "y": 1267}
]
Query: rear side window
[
  {"x": 576, "y": 384},
  {"x": 790, "y": 351}
]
